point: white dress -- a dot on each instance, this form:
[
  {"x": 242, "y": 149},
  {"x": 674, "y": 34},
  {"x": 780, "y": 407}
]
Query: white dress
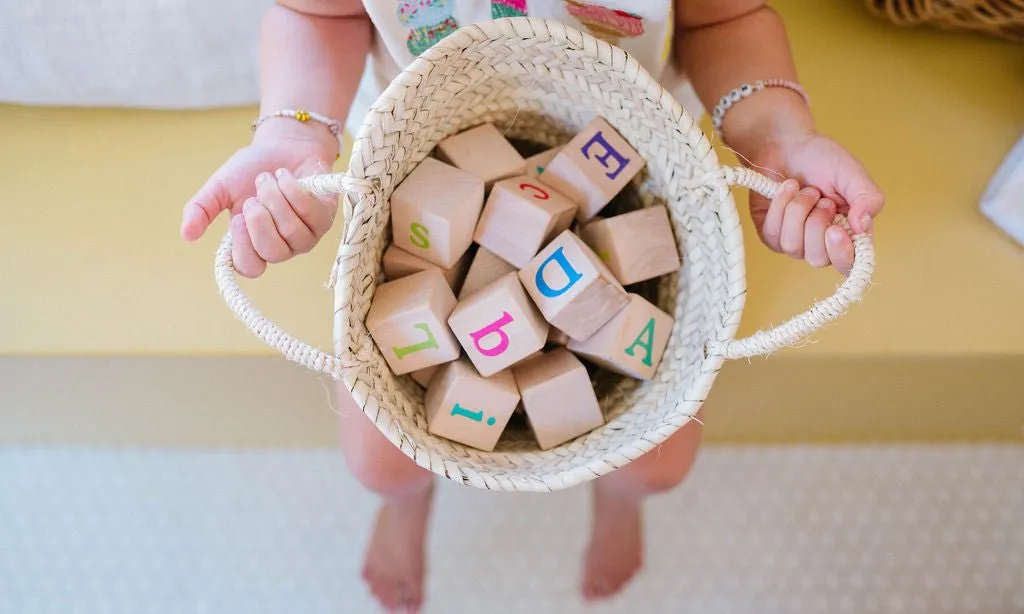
[{"x": 405, "y": 28}]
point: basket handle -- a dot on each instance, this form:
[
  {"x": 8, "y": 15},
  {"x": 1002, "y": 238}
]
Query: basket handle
[
  {"x": 821, "y": 313},
  {"x": 270, "y": 333}
]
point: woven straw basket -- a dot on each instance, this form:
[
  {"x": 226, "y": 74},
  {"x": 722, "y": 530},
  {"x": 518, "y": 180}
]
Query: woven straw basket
[
  {"x": 541, "y": 81},
  {"x": 999, "y": 18}
]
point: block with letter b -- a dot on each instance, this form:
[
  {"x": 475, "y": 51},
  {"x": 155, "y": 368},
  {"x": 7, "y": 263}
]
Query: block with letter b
[
  {"x": 434, "y": 212},
  {"x": 558, "y": 397},
  {"x": 483, "y": 152},
  {"x": 631, "y": 343},
  {"x": 407, "y": 321},
  {"x": 498, "y": 325},
  {"x": 636, "y": 246},
  {"x": 592, "y": 168},
  {"x": 520, "y": 216},
  {"x": 572, "y": 288},
  {"x": 467, "y": 408}
]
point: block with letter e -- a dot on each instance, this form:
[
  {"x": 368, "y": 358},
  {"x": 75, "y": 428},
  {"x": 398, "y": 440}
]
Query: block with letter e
[
  {"x": 592, "y": 168},
  {"x": 434, "y": 212},
  {"x": 573, "y": 289},
  {"x": 467, "y": 408},
  {"x": 498, "y": 325},
  {"x": 631, "y": 343},
  {"x": 407, "y": 321}
]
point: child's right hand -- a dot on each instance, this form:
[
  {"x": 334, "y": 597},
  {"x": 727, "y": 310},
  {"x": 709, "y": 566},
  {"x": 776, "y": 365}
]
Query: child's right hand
[{"x": 273, "y": 218}]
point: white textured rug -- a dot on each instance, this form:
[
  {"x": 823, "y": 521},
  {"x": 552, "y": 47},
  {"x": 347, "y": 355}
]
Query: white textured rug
[{"x": 780, "y": 529}]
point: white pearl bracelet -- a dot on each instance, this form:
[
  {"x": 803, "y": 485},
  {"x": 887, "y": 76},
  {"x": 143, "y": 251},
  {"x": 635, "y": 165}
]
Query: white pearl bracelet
[{"x": 748, "y": 89}]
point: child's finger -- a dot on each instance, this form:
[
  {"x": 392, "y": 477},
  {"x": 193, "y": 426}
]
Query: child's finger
[
  {"x": 204, "y": 207},
  {"x": 865, "y": 199},
  {"x": 840, "y": 249},
  {"x": 771, "y": 230},
  {"x": 794, "y": 218},
  {"x": 317, "y": 214},
  {"x": 265, "y": 238},
  {"x": 815, "y": 252},
  {"x": 293, "y": 230},
  {"x": 247, "y": 262}
]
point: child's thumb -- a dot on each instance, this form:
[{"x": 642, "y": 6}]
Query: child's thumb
[{"x": 204, "y": 207}]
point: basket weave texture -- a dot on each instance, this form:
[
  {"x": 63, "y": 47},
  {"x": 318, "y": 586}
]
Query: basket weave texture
[
  {"x": 541, "y": 81},
  {"x": 1000, "y": 18}
]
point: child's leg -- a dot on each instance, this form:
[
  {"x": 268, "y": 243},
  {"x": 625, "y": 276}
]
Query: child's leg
[
  {"x": 616, "y": 542},
  {"x": 394, "y": 565}
]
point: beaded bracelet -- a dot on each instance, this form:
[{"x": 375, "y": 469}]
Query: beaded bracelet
[
  {"x": 747, "y": 89},
  {"x": 303, "y": 116}
]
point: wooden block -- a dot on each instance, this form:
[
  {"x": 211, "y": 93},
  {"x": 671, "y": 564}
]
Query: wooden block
[
  {"x": 407, "y": 321},
  {"x": 535, "y": 165},
  {"x": 485, "y": 269},
  {"x": 520, "y": 217},
  {"x": 434, "y": 212},
  {"x": 498, "y": 325},
  {"x": 484, "y": 152},
  {"x": 572, "y": 288},
  {"x": 558, "y": 397},
  {"x": 636, "y": 246},
  {"x": 631, "y": 343},
  {"x": 467, "y": 408},
  {"x": 557, "y": 337},
  {"x": 593, "y": 167},
  {"x": 399, "y": 263},
  {"x": 423, "y": 376}
]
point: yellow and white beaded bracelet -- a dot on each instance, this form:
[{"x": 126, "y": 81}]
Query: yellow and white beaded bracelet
[{"x": 334, "y": 126}]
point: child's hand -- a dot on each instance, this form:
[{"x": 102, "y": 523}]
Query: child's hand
[
  {"x": 273, "y": 219},
  {"x": 798, "y": 222}
]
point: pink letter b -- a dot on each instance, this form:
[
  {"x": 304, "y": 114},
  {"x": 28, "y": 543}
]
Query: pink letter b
[{"x": 494, "y": 328}]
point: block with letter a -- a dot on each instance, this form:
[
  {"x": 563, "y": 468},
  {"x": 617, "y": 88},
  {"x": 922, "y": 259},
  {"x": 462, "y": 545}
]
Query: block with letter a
[
  {"x": 520, "y": 216},
  {"x": 407, "y": 321},
  {"x": 434, "y": 212},
  {"x": 572, "y": 288},
  {"x": 467, "y": 408},
  {"x": 498, "y": 325},
  {"x": 592, "y": 168},
  {"x": 632, "y": 343}
]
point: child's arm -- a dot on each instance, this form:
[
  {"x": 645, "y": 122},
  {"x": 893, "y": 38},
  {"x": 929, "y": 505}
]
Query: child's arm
[
  {"x": 312, "y": 54},
  {"x": 722, "y": 44}
]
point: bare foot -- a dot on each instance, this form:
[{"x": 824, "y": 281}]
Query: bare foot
[
  {"x": 394, "y": 565},
  {"x": 615, "y": 552}
]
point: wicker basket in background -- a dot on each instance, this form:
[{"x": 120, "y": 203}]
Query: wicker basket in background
[
  {"x": 1001, "y": 18},
  {"x": 540, "y": 81}
]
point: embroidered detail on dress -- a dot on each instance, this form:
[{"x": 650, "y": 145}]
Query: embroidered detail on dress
[
  {"x": 604, "y": 23},
  {"x": 508, "y": 8},
  {"x": 429, "y": 22}
]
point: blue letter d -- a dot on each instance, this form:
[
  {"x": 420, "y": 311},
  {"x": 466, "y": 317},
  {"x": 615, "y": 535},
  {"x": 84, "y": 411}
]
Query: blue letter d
[{"x": 571, "y": 274}]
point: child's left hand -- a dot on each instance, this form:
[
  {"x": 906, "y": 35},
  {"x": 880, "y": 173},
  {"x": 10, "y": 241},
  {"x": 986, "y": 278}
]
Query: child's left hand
[{"x": 798, "y": 222}]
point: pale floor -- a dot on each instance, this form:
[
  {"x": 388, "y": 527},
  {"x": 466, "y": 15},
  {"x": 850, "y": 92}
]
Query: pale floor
[{"x": 756, "y": 529}]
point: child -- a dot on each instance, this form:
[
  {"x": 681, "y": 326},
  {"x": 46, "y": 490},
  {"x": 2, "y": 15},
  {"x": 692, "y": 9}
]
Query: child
[{"x": 313, "y": 54}]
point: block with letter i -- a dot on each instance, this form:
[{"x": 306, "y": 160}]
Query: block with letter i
[
  {"x": 483, "y": 152},
  {"x": 467, "y": 408},
  {"x": 520, "y": 216},
  {"x": 592, "y": 168},
  {"x": 632, "y": 343},
  {"x": 498, "y": 325},
  {"x": 558, "y": 397},
  {"x": 572, "y": 288},
  {"x": 636, "y": 246},
  {"x": 408, "y": 322},
  {"x": 434, "y": 212}
]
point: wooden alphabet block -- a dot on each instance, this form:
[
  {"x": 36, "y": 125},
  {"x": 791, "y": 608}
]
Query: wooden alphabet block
[
  {"x": 593, "y": 167},
  {"x": 483, "y": 152},
  {"x": 399, "y": 263},
  {"x": 557, "y": 337},
  {"x": 467, "y": 408},
  {"x": 498, "y": 325},
  {"x": 558, "y": 397},
  {"x": 520, "y": 217},
  {"x": 407, "y": 321},
  {"x": 485, "y": 269},
  {"x": 631, "y": 343},
  {"x": 423, "y": 376},
  {"x": 535, "y": 165},
  {"x": 434, "y": 212},
  {"x": 636, "y": 246},
  {"x": 572, "y": 288}
]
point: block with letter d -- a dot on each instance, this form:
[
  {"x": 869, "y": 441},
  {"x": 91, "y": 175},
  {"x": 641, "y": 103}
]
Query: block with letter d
[
  {"x": 498, "y": 325},
  {"x": 592, "y": 168},
  {"x": 434, "y": 212},
  {"x": 573, "y": 289},
  {"x": 632, "y": 343},
  {"x": 407, "y": 321},
  {"x": 467, "y": 408}
]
